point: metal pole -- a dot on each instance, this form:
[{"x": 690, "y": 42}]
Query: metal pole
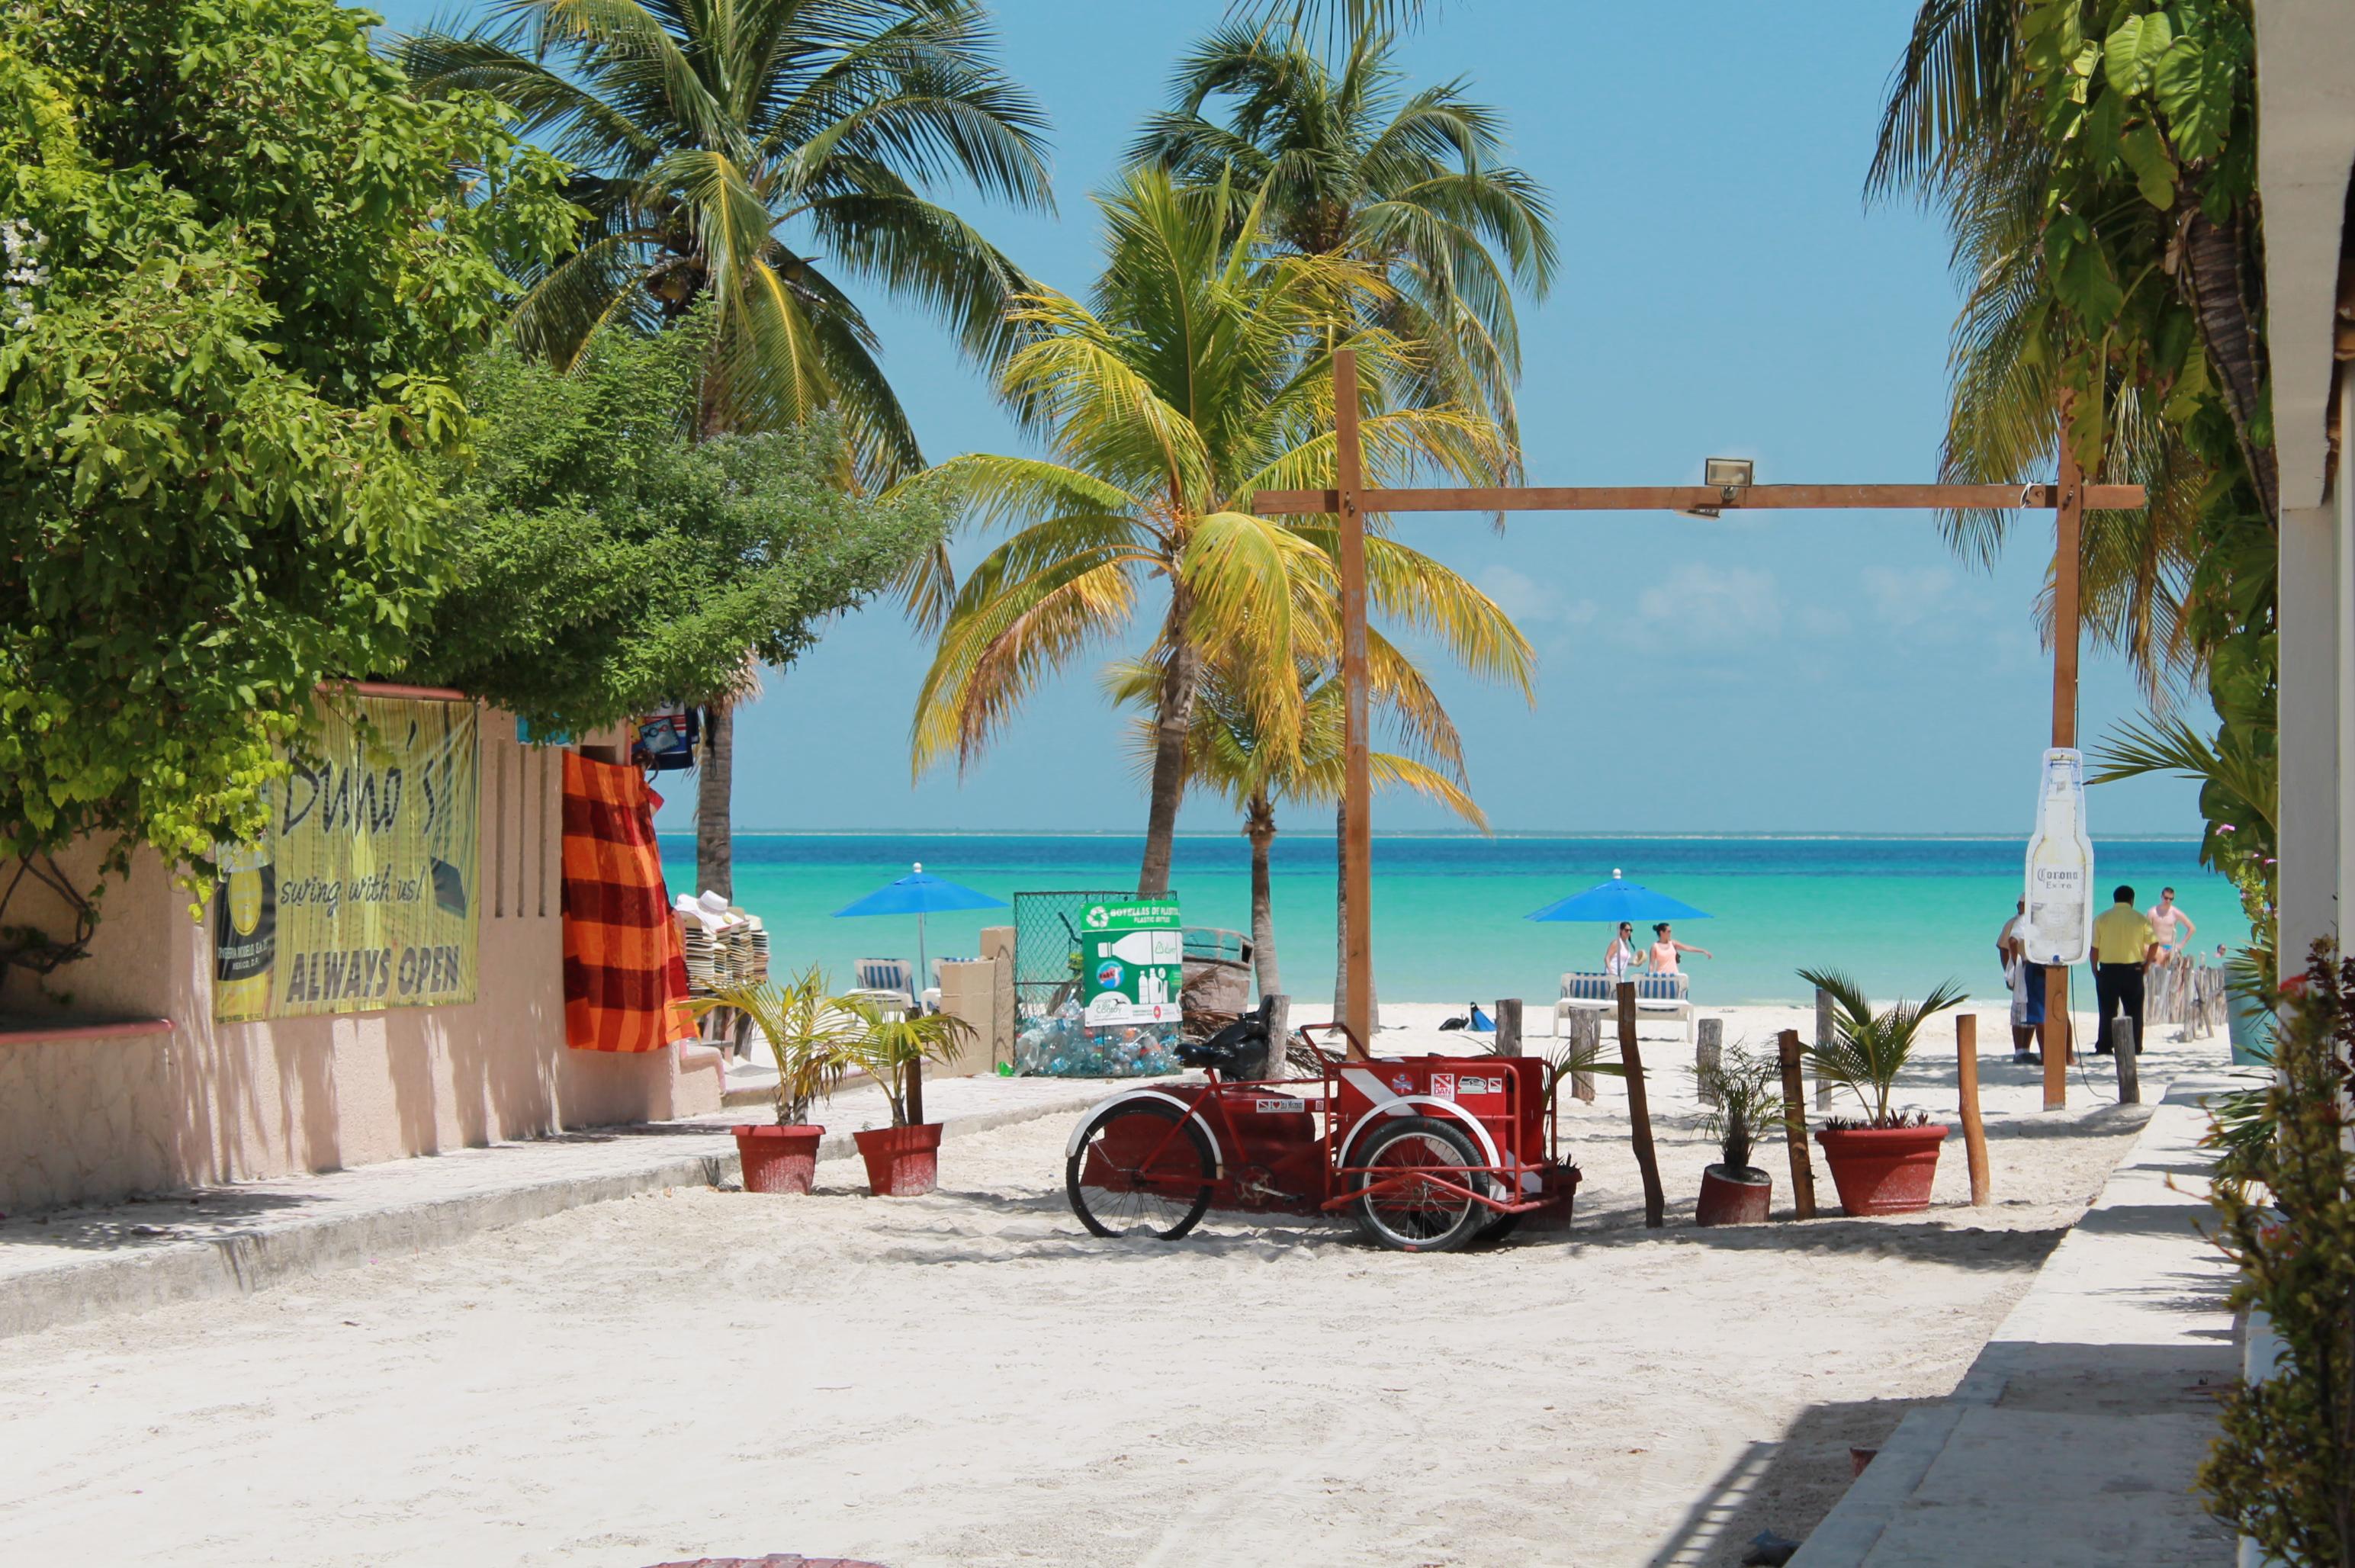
[
  {"x": 1357, "y": 836},
  {"x": 2067, "y": 531}
]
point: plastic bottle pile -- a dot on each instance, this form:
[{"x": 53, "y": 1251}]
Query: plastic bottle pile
[{"x": 1060, "y": 1046}]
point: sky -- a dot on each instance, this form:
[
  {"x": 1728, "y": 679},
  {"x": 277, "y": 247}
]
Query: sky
[{"x": 1723, "y": 291}]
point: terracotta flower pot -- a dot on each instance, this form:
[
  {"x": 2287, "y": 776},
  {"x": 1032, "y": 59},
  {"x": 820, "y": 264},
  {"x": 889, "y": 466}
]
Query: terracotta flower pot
[
  {"x": 778, "y": 1160},
  {"x": 1732, "y": 1198},
  {"x": 901, "y": 1162},
  {"x": 1559, "y": 1187},
  {"x": 1884, "y": 1170}
]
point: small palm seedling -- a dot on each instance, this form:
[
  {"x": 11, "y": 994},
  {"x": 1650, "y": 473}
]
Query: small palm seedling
[
  {"x": 1868, "y": 1049},
  {"x": 807, "y": 1031},
  {"x": 1746, "y": 1098},
  {"x": 888, "y": 1048}
]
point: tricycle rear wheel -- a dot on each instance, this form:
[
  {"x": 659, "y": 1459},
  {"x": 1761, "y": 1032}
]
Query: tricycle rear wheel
[
  {"x": 1144, "y": 1168},
  {"x": 1408, "y": 1214}
]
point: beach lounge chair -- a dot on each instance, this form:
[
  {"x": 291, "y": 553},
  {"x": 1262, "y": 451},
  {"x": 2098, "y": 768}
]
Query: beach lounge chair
[
  {"x": 888, "y": 982},
  {"x": 1657, "y": 996}
]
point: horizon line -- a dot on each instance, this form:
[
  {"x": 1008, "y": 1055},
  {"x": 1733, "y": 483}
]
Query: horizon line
[{"x": 1655, "y": 835}]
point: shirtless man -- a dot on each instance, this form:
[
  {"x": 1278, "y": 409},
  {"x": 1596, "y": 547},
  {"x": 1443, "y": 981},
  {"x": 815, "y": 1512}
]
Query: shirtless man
[{"x": 2173, "y": 928}]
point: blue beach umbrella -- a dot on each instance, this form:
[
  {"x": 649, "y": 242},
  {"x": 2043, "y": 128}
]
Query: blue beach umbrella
[
  {"x": 918, "y": 893},
  {"x": 1616, "y": 900}
]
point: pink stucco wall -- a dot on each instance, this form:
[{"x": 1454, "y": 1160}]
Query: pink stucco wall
[{"x": 85, "y": 1117}]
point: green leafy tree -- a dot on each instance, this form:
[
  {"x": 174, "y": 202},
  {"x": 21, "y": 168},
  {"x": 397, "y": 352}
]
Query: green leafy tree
[
  {"x": 600, "y": 562},
  {"x": 1199, "y": 373},
  {"x": 242, "y": 263},
  {"x": 1349, "y": 163},
  {"x": 766, "y": 157}
]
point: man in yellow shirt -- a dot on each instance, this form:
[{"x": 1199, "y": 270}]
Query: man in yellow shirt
[{"x": 2123, "y": 943}]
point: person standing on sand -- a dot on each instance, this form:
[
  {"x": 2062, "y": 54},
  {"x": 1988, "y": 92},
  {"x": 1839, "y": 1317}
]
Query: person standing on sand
[
  {"x": 2026, "y": 981},
  {"x": 1619, "y": 958},
  {"x": 2122, "y": 943},
  {"x": 1665, "y": 948},
  {"x": 2173, "y": 928}
]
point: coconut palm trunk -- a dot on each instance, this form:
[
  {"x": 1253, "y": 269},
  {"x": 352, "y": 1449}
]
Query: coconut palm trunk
[
  {"x": 1180, "y": 683},
  {"x": 715, "y": 848},
  {"x": 1259, "y": 826}
]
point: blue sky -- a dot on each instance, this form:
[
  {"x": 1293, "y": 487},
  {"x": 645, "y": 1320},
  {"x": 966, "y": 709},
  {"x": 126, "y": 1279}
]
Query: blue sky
[{"x": 1723, "y": 292}]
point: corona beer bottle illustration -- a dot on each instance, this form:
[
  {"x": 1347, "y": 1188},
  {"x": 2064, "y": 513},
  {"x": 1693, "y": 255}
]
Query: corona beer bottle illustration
[
  {"x": 245, "y": 931},
  {"x": 2059, "y": 921}
]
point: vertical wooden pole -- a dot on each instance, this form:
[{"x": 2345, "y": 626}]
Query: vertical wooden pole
[
  {"x": 2068, "y": 528},
  {"x": 916, "y": 1094},
  {"x": 1639, "y": 1110},
  {"x": 2122, "y": 1043},
  {"x": 1279, "y": 1035},
  {"x": 1709, "y": 1052},
  {"x": 1508, "y": 1027},
  {"x": 1585, "y": 1035},
  {"x": 1356, "y": 836},
  {"x": 1966, "y": 1080},
  {"x": 1795, "y": 1124}
]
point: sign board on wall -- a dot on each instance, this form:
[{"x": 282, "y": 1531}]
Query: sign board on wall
[
  {"x": 362, "y": 894},
  {"x": 1132, "y": 961}
]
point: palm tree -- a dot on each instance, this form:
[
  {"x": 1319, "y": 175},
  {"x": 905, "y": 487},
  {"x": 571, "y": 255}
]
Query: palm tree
[
  {"x": 1227, "y": 752},
  {"x": 1199, "y": 374},
  {"x": 759, "y": 156},
  {"x": 1353, "y": 165}
]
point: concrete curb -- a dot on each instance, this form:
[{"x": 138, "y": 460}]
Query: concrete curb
[{"x": 259, "y": 1256}]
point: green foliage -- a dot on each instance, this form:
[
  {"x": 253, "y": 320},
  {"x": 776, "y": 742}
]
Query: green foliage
[
  {"x": 1743, "y": 1092},
  {"x": 887, "y": 1048},
  {"x": 809, "y": 1032},
  {"x": 599, "y": 561},
  {"x": 2283, "y": 1473},
  {"x": 1869, "y": 1049},
  {"x": 759, "y": 157},
  {"x": 243, "y": 264}
]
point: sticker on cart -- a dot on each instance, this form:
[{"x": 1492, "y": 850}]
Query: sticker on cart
[
  {"x": 1278, "y": 1107},
  {"x": 1442, "y": 1085}
]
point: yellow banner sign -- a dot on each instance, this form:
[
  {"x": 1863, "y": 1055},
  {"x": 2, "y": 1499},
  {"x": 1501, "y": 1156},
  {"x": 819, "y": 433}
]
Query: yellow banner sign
[{"x": 362, "y": 894}]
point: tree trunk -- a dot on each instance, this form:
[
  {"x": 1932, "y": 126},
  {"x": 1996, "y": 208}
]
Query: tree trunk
[
  {"x": 1175, "y": 709},
  {"x": 2220, "y": 280},
  {"x": 1341, "y": 931},
  {"x": 1259, "y": 826},
  {"x": 715, "y": 859}
]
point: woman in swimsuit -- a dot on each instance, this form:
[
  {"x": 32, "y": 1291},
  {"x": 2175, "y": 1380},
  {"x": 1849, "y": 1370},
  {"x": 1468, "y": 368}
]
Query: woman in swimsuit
[
  {"x": 1619, "y": 958},
  {"x": 1665, "y": 948}
]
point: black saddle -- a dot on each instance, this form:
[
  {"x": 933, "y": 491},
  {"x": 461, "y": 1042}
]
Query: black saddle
[{"x": 1239, "y": 1051}]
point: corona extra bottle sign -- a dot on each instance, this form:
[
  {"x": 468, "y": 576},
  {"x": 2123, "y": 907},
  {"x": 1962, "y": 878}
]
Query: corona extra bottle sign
[{"x": 2059, "y": 924}]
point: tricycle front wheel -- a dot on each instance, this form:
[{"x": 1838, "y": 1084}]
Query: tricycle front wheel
[
  {"x": 1405, "y": 1209},
  {"x": 1144, "y": 1168}
]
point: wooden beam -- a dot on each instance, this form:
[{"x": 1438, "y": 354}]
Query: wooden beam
[
  {"x": 1639, "y": 1110},
  {"x": 1795, "y": 1124},
  {"x": 1689, "y": 497},
  {"x": 2068, "y": 532},
  {"x": 1356, "y": 845},
  {"x": 1967, "y": 1084}
]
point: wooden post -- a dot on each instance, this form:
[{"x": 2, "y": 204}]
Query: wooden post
[
  {"x": 1356, "y": 793},
  {"x": 1585, "y": 1035},
  {"x": 1279, "y": 1034},
  {"x": 1508, "y": 1027},
  {"x": 1639, "y": 1110},
  {"x": 1823, "y": 1039},
  {"x": 2067, "y": 528},
  {"x": 1707, "y": 1054},
  {"x": 1794, "y": 1125},
  {"x": 916, "y": 1094},
  {"x": 1966, "y": 1080},
  {"x": 2122, "y": 1043}
]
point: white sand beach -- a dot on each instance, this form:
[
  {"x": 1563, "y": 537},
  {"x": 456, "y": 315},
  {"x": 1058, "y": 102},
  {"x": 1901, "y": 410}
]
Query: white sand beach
[{"x": 970, "y": 1378}]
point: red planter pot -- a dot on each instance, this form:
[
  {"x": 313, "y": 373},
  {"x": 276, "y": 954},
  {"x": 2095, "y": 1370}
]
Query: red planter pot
[
  {"x": 1884, "y": 1170},
  {"x": 901, "y": 1162},
  {"x": 1730, "y": 1199},
  {"x": 778, "y": 1160},
  {"x": 1558, "y": 1184}
]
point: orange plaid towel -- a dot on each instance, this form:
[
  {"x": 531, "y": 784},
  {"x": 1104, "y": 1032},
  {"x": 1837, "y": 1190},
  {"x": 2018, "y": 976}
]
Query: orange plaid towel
[{"x": 624, "y": 970}]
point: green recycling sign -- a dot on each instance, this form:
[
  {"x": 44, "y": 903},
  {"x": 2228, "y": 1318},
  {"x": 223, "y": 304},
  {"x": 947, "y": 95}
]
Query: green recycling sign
[{"x": 1132, "y": 961}]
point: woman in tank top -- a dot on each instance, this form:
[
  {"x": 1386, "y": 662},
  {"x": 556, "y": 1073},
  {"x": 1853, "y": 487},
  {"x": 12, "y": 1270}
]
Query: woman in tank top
[{"x": 1665, "y": 948}]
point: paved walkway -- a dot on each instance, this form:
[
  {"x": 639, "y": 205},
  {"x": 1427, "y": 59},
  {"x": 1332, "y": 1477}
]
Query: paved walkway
[
  {"x": 72, "y": 1263},
  {"x": 2076, "y": 1435}
]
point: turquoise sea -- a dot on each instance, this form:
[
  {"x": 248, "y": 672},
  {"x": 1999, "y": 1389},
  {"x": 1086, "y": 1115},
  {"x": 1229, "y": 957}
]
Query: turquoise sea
[{"x": 1899, "y": 914}]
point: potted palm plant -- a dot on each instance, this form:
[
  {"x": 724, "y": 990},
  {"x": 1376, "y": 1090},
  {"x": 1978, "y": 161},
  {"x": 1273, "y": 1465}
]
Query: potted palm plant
[
  {"x": 807, "y": 1030},
  {"x": 1885, "y": 1163},
  {"x": 902, "y": 1161},
  {"x": 1746, "y": 1098}
]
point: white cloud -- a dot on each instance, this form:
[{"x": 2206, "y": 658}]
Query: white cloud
[
  {"x": 1530, "y": 602},
  {"x": 1907, "y": 596},
  {"x": 1704, "y": 605}
]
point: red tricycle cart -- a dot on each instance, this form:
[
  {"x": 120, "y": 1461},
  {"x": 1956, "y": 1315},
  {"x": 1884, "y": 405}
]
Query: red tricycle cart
[{"x": 1425, "y": 1153}]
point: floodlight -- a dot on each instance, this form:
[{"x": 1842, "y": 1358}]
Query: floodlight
[{"x": 1728, "y": 473}]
